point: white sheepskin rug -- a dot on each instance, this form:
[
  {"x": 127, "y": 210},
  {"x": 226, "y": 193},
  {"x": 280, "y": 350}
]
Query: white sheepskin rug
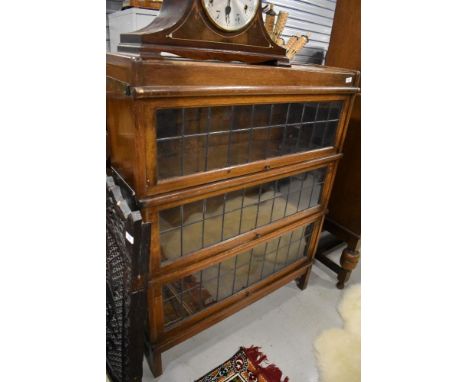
[{"x": 339, "y": 350}]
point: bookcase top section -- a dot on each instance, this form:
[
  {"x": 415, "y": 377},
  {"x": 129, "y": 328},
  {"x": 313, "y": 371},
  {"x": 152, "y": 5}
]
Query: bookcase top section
[{"x": 168, "y": 77}]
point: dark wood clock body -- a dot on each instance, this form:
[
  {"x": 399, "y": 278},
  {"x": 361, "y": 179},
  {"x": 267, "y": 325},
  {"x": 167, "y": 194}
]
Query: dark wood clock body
[{"x": 184, "y": 29}]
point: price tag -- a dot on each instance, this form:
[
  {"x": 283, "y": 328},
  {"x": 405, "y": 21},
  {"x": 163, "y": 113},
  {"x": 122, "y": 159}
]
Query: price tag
[{"x": 129, "y": 237}]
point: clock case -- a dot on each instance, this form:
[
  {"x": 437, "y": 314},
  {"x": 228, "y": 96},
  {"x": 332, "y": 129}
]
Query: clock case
[{"x": 183, "y": 28}]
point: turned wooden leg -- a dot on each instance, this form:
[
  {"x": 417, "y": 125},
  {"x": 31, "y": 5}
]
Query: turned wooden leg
[
  {"x": 304, "y": 279},
  {"x": 155, "y": 362},
  {"x": 349, "y": 260}
]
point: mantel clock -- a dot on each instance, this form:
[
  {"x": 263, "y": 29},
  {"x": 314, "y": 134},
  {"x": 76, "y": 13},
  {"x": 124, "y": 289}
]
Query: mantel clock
[{"x": 226, "y": 30}]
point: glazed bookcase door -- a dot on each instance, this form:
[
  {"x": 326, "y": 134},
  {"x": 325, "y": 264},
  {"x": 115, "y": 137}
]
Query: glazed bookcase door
[
  {"x": 189, "y": 296},
  {"x": 195, "y": 140},
  {"x": 188, "y": 228},
  {"x": 194, "y": 145}
]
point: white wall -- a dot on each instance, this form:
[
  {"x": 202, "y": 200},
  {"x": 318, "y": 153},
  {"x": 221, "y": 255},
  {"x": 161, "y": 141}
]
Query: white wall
[
  {"x": 111, "y": 6},
  {"x": 315, "y": 16}
]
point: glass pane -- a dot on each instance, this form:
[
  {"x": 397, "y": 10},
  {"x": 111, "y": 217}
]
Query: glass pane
[
  {"x": 279, "y": 114},
  {"x": 259, "y": 140},
  {"x": 169, "y": 122},
  {"x": 295, "y": 113},
  {"x": 213, "y": 230},
  {"x": 261, "y": 115},
  {"x": 239, "y": 148},
  {"x": 242, "y": 118},
  {"x": 169, "y": 158},
  {"x": 218, "y": 151},
  {"x": 220, "y": 119},
  {"x": 193, "y": 212},
  {"x": 275, "y": 147},
  {"x": 232, "y": 222},
  {"x": 310, "y": 112},
  {"x": 193, "y": 293},
  {"x": 200, "y": 224},
  {"x": 170, "y": 218},
  {"x": 335, "y": 110},
  {"x": 171, "y": 244},
  {"x": 195, "y": 121},
  {"x": 323, "y": 112},
  {"x": 194, "y": 151},
  {"x": 329, "y": 138},
  {"x": 215, "y": 206},
  {"x": 194, "y": 140},
  {"x": 192, "y": 236}
]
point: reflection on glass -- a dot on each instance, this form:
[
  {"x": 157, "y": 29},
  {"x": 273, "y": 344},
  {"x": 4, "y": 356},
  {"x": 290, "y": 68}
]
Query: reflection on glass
[
  {"x": 193, "y": 293},
  {"x": 194, "y": 140},
  {"x": 190, "y": 227}
]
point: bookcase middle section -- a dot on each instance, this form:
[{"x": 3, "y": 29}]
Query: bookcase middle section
[{"x": 191, "y": 227}]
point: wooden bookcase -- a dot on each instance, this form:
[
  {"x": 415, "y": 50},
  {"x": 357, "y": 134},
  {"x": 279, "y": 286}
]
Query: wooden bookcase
[{"x": 233, "y": 166}]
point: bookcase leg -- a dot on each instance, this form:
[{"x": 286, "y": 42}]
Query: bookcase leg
[
  {"x": 303, "y": 280},
  {"x": 349, "y": 260},
  {"x": 155, "y": 363}
]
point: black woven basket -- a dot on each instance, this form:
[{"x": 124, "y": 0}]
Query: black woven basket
[{"x": 127, "y": 249}]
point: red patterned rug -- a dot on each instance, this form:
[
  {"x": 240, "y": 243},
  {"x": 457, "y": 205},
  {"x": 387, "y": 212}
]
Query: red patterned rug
[{"x": 245, "y": 366}]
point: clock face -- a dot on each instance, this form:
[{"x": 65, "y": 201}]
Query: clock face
[{"x": 231, "y": 15}]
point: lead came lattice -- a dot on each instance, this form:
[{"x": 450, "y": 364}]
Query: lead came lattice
[
  {"x": 193, "y": 293},
  {"x": 194, "y": 140},
  {"x": 191, "y": 227}
]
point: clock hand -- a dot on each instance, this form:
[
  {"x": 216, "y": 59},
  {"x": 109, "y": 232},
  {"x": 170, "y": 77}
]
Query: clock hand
[{"x": 227, "y": 10}]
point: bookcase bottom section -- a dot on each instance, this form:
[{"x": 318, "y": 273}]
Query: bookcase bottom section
[{"x": 196, "y": 292}]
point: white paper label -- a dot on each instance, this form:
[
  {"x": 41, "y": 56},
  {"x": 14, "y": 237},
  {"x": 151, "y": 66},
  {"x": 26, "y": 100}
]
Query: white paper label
[
  {"x": 349, "y": 80},
  {"x": 129, "y": 237}
]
